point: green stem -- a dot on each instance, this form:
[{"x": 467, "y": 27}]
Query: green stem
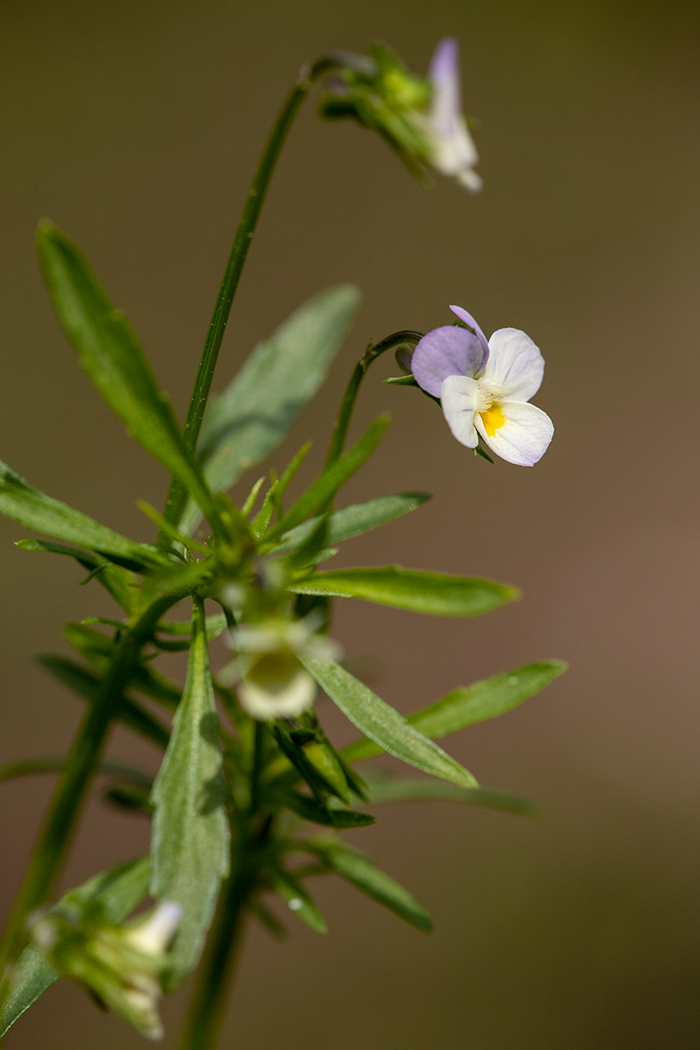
[
  {"x": 61, "y": 819},
  {"x": 213, "y": 980},
  {"x": 209, "y": 998},
  {"x": 348, "y": 403},
  {"x": 177, "y": 495}
]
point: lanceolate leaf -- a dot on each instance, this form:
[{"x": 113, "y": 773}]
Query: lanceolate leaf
[
  {"x": 111, "y": 355},
  {"x": 22, "y": 502},
  {"x": 476, "y": 703},
  {"x": 327, "y": 484},
  {"x": 120, "y": 891},
  {"x": 363, "y": 873},
  {"x": 383, "y": 789},
  {"x": 255, "y": 412},
  {"x": 383, "y": 724},
  {"x": 356, "y": 519},
  {"x": 298, "y": 900},
  {"x": 189, "y": 851},
  {"x": 425, "y": 592}
]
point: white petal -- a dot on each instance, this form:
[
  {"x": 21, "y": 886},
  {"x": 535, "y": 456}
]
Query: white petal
[
  {"x": 153, "y": 935},
  {"x": 454, "y": 152},
  {"x": 524, "y": 437},
  {"x": 515, "y": 366},
  {"x": 286, "y": 698},
  {"x": 458, "y": 400}
]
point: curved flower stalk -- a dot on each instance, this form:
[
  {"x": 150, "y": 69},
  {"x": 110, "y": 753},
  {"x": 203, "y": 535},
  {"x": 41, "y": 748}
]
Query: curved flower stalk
[{"x": 485, "y": 386}]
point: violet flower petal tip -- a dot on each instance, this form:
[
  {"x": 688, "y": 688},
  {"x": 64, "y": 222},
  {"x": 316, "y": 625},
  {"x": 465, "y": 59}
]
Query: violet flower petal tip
[
  {"x": 446, "y": 351},
  {"x": 445, "y": 61},
  {"x": 465, "y": 316}
]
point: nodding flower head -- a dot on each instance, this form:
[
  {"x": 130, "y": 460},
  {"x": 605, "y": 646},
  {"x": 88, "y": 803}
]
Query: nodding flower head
[
  {"x": 485, "y": 386},
  {"x": 120, "y": 965},
  {"x": 420, "y": 117}
]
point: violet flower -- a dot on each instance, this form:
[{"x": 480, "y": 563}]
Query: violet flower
[{"x": 484, "y": 387}]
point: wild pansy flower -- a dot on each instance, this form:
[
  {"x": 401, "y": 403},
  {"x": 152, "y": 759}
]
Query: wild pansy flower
[
  {"x": 119, "y": 964},
  {"x": 421, "y": 118},
  {"x": 485, "y": 386},
  {"x": 272, "y": 681}
]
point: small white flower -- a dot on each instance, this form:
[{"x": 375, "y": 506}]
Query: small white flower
[
  {"x": 452, "y": 151},
  {"x": 119, "y": 964},
  {"x": 485, "y": 387},
  {"x": 272, "y": 681}
]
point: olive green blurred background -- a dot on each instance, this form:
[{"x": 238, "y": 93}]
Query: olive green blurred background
[{"x": 136, "y": 126}]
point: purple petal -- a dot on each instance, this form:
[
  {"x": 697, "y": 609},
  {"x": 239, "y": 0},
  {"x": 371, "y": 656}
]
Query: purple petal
[
  {"x": 444, "y": 66},
  {"x": 469, "y": 320},
  {"x": 447, "y": 351}
]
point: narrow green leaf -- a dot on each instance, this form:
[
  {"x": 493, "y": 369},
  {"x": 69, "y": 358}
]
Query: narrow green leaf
[
  {"x": 328, "y": 817},
  {"x": 85, "y": 684},
  {"x": 112, "y": 357},
  {"x": 327, "y": 484},
  {"x": 257, "y": 409},
  {"x": 383, "y": 724},
  {"x": 23, "y": 503},
  {"x": 383, "y": 789},
  {"x": 362, "y": 872},
  {"x": 354, "y": 520},
  {"x": 120, "y": 891},
  {"x": 267, "y": 919},
  {"x": 298, "y": 900},
  {"x": 435, "y": 594},
  {"x": 189, "y": 852},
  {"x": 469, "y": 705},
  {"x": 119, "y": 582},
  {"x": 25, "y": 767}
]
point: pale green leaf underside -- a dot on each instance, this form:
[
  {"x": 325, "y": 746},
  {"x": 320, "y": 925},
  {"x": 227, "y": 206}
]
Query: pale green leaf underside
[
  {"x": 112, "y": 356},
  {"x": 255, "y": 412},
  {"x": 189, "y": 851},
  {"x": 23, "y": 503},
  {"x": 472, "y": 704},
  {"x": 435, "y": 594},
  {"x": 120, "y": 891},
  {"x": 352, "y": 521},
  {"x": 362, "y": 872},
  {"x": 383, "y": 724}
]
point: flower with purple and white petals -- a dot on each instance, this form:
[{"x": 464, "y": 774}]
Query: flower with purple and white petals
[
  {"x": 485, "y": 386},
  {"x": 451, "y": 148}
]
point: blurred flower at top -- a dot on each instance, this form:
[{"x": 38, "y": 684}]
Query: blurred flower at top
[
  {"x": 119, "y": 965},
  {"x": 420, "y": 118},
  {"x": 272, "y": 681},
  {"x": 484, "y": 387}
]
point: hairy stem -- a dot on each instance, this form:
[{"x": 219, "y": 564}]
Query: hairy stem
[{"x": 60, "y": 822}]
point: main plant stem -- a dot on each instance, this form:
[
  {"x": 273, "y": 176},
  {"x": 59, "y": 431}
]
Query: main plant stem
[
  {"x": 232, "y": 274},
  {"x": 214, "y": 976},
  {"x": 61, "y": 819}
]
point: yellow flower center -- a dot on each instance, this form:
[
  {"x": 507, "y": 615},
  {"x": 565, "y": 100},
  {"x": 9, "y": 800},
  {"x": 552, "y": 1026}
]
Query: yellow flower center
[{"x": 492, "y": 419}]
